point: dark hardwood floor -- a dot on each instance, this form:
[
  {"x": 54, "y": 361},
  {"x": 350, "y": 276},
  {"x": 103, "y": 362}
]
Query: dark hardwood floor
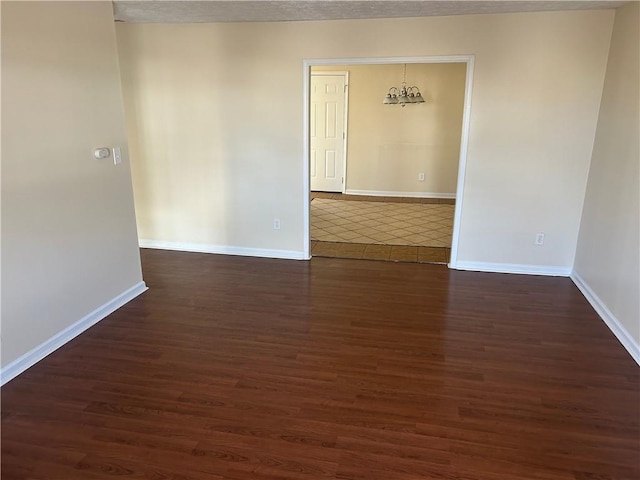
[{"x": 244, "y": 368}]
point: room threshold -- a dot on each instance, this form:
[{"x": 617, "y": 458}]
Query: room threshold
[{"x": 390, "y": 253}]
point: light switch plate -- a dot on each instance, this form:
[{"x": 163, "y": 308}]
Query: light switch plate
[{"x": 117, "y": 156}]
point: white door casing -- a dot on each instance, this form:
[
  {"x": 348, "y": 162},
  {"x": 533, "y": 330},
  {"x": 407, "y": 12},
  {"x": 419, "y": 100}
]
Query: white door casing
[
  {"x": 466, "y": 116},
  {"x": 327, "y": 131}
]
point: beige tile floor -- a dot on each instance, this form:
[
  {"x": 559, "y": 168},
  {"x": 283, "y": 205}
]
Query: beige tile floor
[
  {"x": 356, "y": 227},
  {"x": 427, "y": 225}
]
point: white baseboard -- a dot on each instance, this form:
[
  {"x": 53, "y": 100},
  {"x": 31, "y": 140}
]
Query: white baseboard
[
  {"x": 621, "y": 333},
  {"x": 33, "y": 356},
  {"x": 222, "y": 249},
  {"x": 548, "y": 270},
  {"x": 382, "y": 193}
]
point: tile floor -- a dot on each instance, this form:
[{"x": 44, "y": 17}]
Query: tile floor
[
  {"x": 383, "y": 223},
  {"x": 343, "y": 235}
]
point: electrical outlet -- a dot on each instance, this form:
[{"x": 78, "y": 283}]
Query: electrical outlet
[
  {"x": 539, "y": 238},
  {"x": 421, "y": 177},
  {"x": 276, "y": 224}
]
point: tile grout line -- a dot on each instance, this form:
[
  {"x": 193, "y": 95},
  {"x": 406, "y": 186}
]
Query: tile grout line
[{"x": 337, "y": 219}]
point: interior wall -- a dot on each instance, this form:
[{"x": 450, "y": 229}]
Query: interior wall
[
  {"x": 68, "y": 226},
  {"x": 389, "y": 145},
  {"x": 608, "y": 256},
  {"x": 214, "y": 114}
]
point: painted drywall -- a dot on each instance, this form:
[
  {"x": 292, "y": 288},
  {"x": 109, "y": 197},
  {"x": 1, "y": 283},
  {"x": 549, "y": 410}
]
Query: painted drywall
[
  {"x": 214, "y": 115},
  {"x": 69, "y": 240},
  {"x": 389, "y": 145},
  {"x": 608, "y": 253}
]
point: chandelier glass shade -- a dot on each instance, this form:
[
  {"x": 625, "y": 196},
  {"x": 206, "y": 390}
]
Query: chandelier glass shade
[{"x": 403, "y": 94}]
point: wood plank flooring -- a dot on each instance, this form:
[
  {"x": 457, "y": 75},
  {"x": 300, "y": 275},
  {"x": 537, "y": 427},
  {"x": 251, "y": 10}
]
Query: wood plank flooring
[
  {"x": 243, "y": 368},
  {"x": 392, "y": 253}
]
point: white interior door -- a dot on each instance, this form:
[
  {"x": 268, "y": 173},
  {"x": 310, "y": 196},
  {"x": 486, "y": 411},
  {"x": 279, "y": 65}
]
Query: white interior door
[{"x": 327, "y": 131}]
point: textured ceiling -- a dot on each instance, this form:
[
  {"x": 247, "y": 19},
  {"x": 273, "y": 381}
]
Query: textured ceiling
[{"x": 167, "y": 11}]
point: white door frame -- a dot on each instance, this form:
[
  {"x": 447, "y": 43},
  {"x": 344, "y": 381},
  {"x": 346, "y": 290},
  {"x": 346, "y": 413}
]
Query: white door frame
[
  {"x": 464, "y": 140},
  {"x": 345, "y": 74}
]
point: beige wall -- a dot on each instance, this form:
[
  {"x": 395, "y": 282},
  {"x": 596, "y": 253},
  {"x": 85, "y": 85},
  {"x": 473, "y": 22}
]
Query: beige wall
[
  {"x": 214, "y": 114},
  {"x": 68, "y": 226},
  {"x": 389, "y": 145},
  {"x": 608, "y": 255}
]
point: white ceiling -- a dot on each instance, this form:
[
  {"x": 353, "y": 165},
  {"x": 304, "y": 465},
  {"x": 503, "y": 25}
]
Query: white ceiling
[{"x": 168, "y": 11}]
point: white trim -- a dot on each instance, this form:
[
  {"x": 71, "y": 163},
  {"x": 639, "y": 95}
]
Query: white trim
[
  {"x": 223, "y": 249},
  {"x": 330, "y": 72},
  {"x": 345, "y": 144},
  {"x": 383, "y": 193},
  {"x": 464, "y": 140},
  {"x": 22, "y": 363},
  {"x": 329, "y": 62},
  {"x": 621, "y": 333},
  {"x": 345, "y": 120},
  {"x": 548, "y": 270},
  {"x": 306, "y": 179},
  {"x": 462, "y": 163}
]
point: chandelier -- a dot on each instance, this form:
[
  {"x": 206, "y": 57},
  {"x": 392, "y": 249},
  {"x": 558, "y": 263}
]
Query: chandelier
[{"x": 403, "y": 95}]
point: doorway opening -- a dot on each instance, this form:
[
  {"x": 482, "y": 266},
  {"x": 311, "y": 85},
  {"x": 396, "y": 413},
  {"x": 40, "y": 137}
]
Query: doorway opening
[{"x": 405, "y": 164}]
